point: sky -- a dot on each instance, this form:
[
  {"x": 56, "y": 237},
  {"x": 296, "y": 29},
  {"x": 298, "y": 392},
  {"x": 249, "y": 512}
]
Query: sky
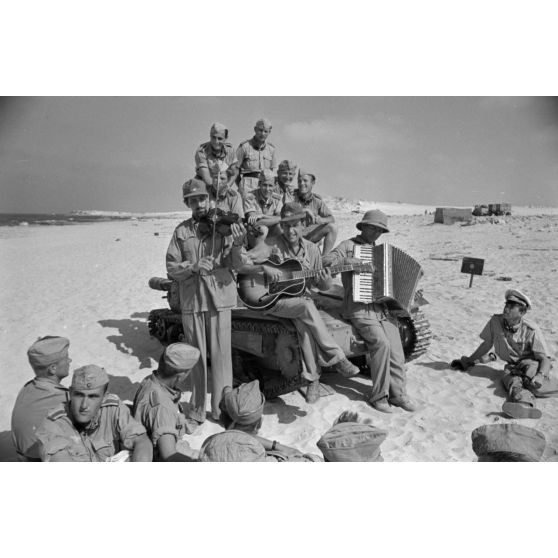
[{"x": 60, "y": 154}]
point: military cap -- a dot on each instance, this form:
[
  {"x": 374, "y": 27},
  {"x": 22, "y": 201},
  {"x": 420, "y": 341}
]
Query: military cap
[
  {"x": 265, "y": 122},
  {"x": 376, "y": 218},
  {"x": 48, "y": 350},
  {"x": 90, "y": 376},
  {"x": 245, "y": 403},
  {"x": 508, "y": 442},
  {"x": 352, "y": 441},
  {"x": 193, "y": 187},
  {"x": 292, "y": 211},
  {"x": 302, "y": 172},
  {"x": 266, "y": 177},
  {"x": 218, "y": 127},
  {"x": 232, "y": 445},
  {"x": 180, "y": 357},
  {"x": 513, "y": 295},
  {"x": 287, "y": 165}
]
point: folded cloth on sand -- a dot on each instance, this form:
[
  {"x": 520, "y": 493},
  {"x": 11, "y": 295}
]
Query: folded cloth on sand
[
  {"x": 508, "y": 442},
  {"x": 232, "y": 445},
  {"x": 352, "y": 441},
  {"x": 521, "y": 410}
]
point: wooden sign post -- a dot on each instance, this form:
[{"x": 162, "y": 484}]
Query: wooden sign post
[{"x": 473, "y": 266}]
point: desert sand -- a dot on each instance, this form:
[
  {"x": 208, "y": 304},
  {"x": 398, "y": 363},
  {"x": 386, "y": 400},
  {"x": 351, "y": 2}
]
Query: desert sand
[{"x": 88, "y": 282}]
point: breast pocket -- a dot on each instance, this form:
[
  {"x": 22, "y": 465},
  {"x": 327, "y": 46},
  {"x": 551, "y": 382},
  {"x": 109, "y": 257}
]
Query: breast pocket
[{"x": 103, "y": 449}]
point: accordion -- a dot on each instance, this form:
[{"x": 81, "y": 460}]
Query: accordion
[{"x": 394, "y": 280}]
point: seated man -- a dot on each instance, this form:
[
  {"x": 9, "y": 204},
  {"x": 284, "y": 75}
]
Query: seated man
[
  {"x": 262, "y": 209},
  {"x": 285, "y": 184},
  {"x": 508, "y": 442},
  {"x": 232, "y": 446},
  {"x": 319, "y": 222},
  {"x": 317, "y": 345},
  {"x": 48, "y": 357},
  {"x": 521, "y": 345},
  {"x": 221, "y": 194},
  {"x": 374, "y": 323},
  {"x": 242, "y": 409},
  {"x": 156, "y": 404},
  {"x": 93, "y": 426}
]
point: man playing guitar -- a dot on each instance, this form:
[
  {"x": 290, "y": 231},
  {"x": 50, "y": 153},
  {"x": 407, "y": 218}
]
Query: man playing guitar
[{"x": 318, "y": 346}]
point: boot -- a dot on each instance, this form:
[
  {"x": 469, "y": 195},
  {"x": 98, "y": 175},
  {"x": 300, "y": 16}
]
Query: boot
[
  {"x": 313, "y": 392},
  {"x": 346, "y": 368}
]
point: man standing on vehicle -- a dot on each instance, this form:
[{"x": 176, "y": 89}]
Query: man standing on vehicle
[{"x": 217, "y": 153}]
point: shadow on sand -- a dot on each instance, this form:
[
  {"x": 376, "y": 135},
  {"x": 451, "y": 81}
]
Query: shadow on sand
[
  {"x": 134, "y": 338},
  {"x": 123, "y": 387},
  {"x": 286, "y": 414}
]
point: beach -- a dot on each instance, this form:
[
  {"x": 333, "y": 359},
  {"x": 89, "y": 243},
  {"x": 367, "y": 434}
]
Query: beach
[{"x": 88, "y": 282}]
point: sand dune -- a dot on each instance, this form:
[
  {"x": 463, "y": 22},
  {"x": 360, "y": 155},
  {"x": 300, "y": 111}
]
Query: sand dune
[{"x": 89, "y": 283}]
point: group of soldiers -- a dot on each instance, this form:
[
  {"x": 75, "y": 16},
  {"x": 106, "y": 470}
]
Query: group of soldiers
[{"x": 87, "y": 423}]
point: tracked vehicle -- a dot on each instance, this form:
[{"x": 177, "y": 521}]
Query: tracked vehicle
[{"x": 267, "y": 348}]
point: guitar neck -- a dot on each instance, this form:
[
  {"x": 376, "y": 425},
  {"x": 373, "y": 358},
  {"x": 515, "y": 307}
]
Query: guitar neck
[{"x": 306, "y": 273}]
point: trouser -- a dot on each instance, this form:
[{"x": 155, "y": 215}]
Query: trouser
[
  {"x": 317, "y": 344},
  {"x": 209, "y": 330},
  {"x": 518, "y": 375},
  {"x": 386, "y": 357}
]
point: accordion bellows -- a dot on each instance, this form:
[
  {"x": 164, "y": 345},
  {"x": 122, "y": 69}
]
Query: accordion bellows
[{"x": 395, "y": 277}]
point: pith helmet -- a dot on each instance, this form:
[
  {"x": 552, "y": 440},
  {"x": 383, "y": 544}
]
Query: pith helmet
[
  {"x": 374, "y": 217},
  {"x": 193, "y": 187}
]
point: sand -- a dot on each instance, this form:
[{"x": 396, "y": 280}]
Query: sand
[{"x": 89, "y": 282}]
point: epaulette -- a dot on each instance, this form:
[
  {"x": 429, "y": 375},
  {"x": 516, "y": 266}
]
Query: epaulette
[
  {"x": 245, "y": 141},
  {"x": 276, "y": 196},
  {"x": 154, "y": 399},
  {"x": 56, "y": 413},
  {"x": 110, "y": 399},
  {"x": 232, "y": 193},
  {"x": 270, "y": 144},
  {"x": 530, "y": 325},
  {"x": 203, "y": 145},
  {"x": 227, "y": 144},
  {"x": 317, "y": 196}
]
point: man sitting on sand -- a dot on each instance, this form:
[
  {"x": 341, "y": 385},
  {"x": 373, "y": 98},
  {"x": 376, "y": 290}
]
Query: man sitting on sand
[
  {"x": 94, "y": 426},
  {"x": 48, "y": 357},
  {"x": 374, "y": 323},
  {"x": 156, "y": 404},
  {"x": 521, "y": 345}
]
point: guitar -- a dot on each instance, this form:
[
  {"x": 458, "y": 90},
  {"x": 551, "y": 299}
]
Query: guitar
[{"x": 257, "y": 293}]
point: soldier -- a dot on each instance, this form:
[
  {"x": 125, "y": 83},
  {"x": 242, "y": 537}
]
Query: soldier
[
  {"x": 232, "y": 446},
  {"x": 216, "y": 153},
  {"x": 255, "y": 155},
  {"x": 508, "y": 442},
  {"x": 319, "y": 221},
  {"x": 242, "y": 409},
  {"x": 48, "y": 357},
  {"x": 374, "y": 323},
  {"x": 156, "y": 404},
  {"x": 222, "y": 195},
  {"x": 93, "y": 426},
  {"x": 263, "y": 212},
  {"x": 285, "y": 184},
  {"x": 521, "y": 345},
  {"x": 202, "y": 261},
  {"x": 317, "y": 345}
]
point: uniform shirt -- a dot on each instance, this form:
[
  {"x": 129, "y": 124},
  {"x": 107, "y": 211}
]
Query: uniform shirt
[
  {"x": 338, "y": 256},
  {"x": 156, "y": 407},
  {"x": 36, "y": 398},
  {"x": 206, "y": 158},
  {"x": 256, "y": 203},
  {"x": 231, "y": 201},
  {"x": 113, "y": 429},
  {"x": 286, "y": 193},
  {"x": 252, "y": 159},
  {"x": 315, "y": 204},
  {"x": 201, "y": 293},
  {"x": 523, "y": 341},
  {"x": 307, "y": 253}
]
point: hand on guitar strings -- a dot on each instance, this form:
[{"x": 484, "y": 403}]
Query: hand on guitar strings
[
  {"x": 271, "y": 273},
  {"x": 323, "y": 277}
]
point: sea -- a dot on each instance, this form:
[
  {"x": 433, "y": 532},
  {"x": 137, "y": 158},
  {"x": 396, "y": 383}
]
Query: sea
[{"x": 25, "y": 219}]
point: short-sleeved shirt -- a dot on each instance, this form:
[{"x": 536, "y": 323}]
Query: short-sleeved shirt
[
  {"x": 206, "y": 158},
  {"x": 201, "y": 293},
  {"x": 112, "y": 430},
  {"x": 286, "y": 193},
  {"x": 156, "y": 407},
  {"x": 231, "y": 201},
  {"x": 252, "y": 160},
  {"x": 315, "y": 204},
  {"x": 307, "y": 253},
  {"x": 523, "y": 341},
  {"x": 36, "y": 398},
  {"x": 256, "y": 203}
]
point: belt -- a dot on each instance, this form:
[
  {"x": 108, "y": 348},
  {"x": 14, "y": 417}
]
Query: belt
[{"x": 251, "y": 174}]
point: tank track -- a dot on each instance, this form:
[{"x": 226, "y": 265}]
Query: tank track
[
  {"x": 415, "y": 335},
  {"x": 271, "y": 328}
]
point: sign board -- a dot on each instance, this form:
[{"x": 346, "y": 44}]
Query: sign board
[{"x": 473, "y": 266}]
